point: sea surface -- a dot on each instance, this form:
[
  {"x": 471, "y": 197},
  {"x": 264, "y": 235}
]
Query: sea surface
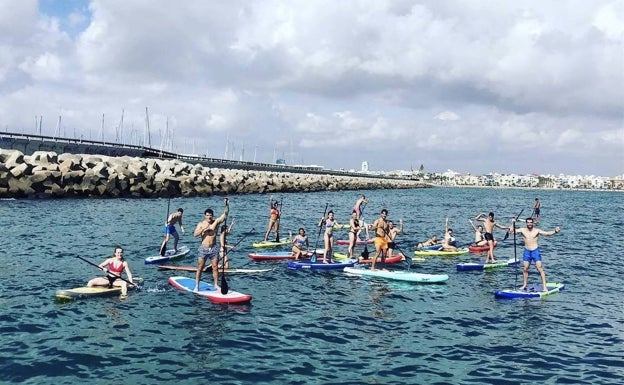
[{"x": 306, "y": 327}]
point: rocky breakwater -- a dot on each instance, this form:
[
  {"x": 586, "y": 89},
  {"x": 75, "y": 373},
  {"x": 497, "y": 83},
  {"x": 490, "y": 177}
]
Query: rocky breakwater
[{"x": 48, "y": 175}]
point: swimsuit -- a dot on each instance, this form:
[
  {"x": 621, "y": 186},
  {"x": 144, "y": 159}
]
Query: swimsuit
[
  {"x": 531, "y": 255},
  {"x": 117, "y": 270},
  {"x": 208, "y": 252},
  {"x": 489, "y": 236},
  {"x": 381, "y": 242},
  {"x": 299, "y": 242},
  {"x": 169, "y": 229}
]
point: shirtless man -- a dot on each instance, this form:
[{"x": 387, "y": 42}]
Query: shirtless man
[
  {"x": 170, "y": 229},
  {"x": 208, "y": 249},
  {"x": 531, "y": 250},
  {"x": 489, "y": 223},
  {"x": 381, "y": 229},
  {"x": 392, "y": 234},
  {"x": 536, "y": 209}
]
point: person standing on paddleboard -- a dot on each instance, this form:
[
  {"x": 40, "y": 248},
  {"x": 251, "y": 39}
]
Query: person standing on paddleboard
[
  {"x": 113, "y": 267},
  {"x": 328, "y": 236},
  {"x": 208, "y": 249},
  {"x": 536, "y": 210},
  {"x": 354, "y": 230},
  {"x": 381, "y": 228},
  {"x": 274, "y": 216},
  {"x": 357, "y": 207},
  {"x": 170, "y": 229},
  {"x": 531, "y": 250},
  {"x": 489, "y": 223}
]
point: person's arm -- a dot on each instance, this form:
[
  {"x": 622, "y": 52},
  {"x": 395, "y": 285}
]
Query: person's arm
[
  {"x": 103, "y": 265},
  {"x": 500, "y": 226},
  {"x": 321, "y": 222},
  {"x": 551, "y": 232},
  {"x": 182, "y": 226},
  {"x": 473, "y": 226},
  {"x": 400, "y": 229},
  {"x": 128, "y": 272},
  {"x": 229, "y": 229},
  {"x": 199, "y": 229},
  {"x": 226, "y": 212},
  {"x": 446, "y": 226}
]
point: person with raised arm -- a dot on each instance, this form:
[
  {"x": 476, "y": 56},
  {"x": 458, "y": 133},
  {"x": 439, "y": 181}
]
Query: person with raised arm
[
  {"x": 208, "y": 249},
  {"x": 489, "y": 224},
  {"x": 274, "y": 217},
  {"x": 479, "y": 238},
  {"x": 358, "y": 206},
  {"x": 224, "y": 248},
  {"x": 531, "y": 251},
  {"x": 392, "y": 234}
]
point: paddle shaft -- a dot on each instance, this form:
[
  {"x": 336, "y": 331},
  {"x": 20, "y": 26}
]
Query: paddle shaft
[
  {"x": 224, "y": 284},
  {"x": 108, "y": 272},
  {"x": 313, "y": 258},
  {"x": 277, "y": 239}
]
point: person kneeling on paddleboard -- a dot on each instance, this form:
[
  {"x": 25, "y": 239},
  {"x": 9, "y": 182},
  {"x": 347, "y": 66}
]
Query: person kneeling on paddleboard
[{"x": 113, "y": 267}]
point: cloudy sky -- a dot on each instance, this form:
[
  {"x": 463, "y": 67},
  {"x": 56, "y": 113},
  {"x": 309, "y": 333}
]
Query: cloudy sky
[{"x": 471, "y": 86}]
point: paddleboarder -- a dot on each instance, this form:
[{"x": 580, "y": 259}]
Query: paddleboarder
[
  {"x": 479, "y": 239},
  {"x": 274, "y": 216},
  {"x": 328, "y": 236},
  {"x": 380, "y": 227},
  {"x": 113, "y": 267},
  {"x": 357, "y": 207},
  {"x": 392, "y": 234},
  {"x": 354, "y": 230},
  {"x": 449, "y": 243},
  {"x": 208, "y": 249},
  {"x": 489, "y": 223},
  {"x": 536, "y": 209},
  {"x": 300, "y": 240},
  {"x": 531, "y": 250},
  {"x": 170, "y": 229},
  {"x": 223, "y": 245}
]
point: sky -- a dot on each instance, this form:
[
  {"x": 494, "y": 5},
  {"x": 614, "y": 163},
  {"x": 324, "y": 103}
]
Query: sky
[{"x": 526, "y": 87}]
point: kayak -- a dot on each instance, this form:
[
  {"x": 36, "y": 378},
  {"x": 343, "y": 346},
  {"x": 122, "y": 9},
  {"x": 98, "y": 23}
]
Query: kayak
[
  {"x": 393, "y": 259},
  {"x": 94, "y": 291},
  {"x": 278, "y": 255},
  {"x": 209, "y": 268},
  {"x": 477, "y": 249},
  {"x": 319, "y": 265},
  {"x": 272, "y": 243},
  {"x": 399, "y": 275},
  {"x": 533, "y": 291},
  {"x": 209, "y": 291},
  {"x": 486, "y": 266},
  {"x": 169, "y": 255},
  {"x": 440, "y": 252},
  {"x": 358, "y": 242}
]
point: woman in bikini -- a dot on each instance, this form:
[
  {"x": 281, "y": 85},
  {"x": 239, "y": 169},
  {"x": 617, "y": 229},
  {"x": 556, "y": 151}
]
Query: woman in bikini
[
  {"x": 298, "y": 242},
  {"x": 328, "y": 236},
  {"x": 113, "y": 267}
]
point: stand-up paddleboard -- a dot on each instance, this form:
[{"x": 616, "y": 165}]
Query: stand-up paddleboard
[
  {"x": 532, "y": 291},
  {"x": 358, "y": 242},
  {"x": 209, "y": 268},
  {"x": 93, "y": 291},
  {"x": 284, "y": 242},
  {"x": 440, "y": 252},
  {"x": 280, "y": 255},
  {"x": 486, "y": 266},
  {"x": 319, "y": 265},
  {"x": 478, "y": 249},
  {"x": 169, "y": 255},
  {"x": 208, "y": 291},
  {"x": 393, "y": 259},
  {"x": 399, "y": 275}
]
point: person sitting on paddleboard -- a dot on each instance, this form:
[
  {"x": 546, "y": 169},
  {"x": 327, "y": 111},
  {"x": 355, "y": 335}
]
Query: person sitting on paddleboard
[
  {"x": 298, "y": 242},
  {"x": 479, "y": 239},
  {"x": 429, "y": 242},
  {"x": 274, "y": 216},
  {"x": 328, "y": 236},
  {"x": 449, "y": 243},
  {"x": 170, "y": 229},
  {"x": 113, "y": 267},
  {"x": 531, "y": 250},
  {"x": 392, "y": 233},
  {"x": 223, "y": 246}
]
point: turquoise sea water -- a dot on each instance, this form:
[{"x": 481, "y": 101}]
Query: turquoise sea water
[{"x": 306, "y": 327}]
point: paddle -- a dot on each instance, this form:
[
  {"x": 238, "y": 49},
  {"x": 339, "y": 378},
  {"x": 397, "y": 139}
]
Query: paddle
[
  {"x": 163, "y": 247},
  {"x": 313, "y": 257},
  {"x": 224, "y": 284},
  {"x": 513, "y": 225},
  {"x": 507, "y": 233},
  {"x": 365, "y": 253},
  {"x": 108, "y": 272}
]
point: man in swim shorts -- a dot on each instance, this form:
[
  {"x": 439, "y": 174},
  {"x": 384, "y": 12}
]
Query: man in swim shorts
[
  {"x": 489, "y": 223},
  {"x": 381, "y": 229},
  {"x": 208, "y": 249},
  {"x": 531, "y": 250}
]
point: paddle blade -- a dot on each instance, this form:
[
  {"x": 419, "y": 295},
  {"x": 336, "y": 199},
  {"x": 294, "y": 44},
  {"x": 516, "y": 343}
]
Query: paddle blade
[
  {"x": 163, "y": 249},
  {"x": 224, "y": 285},
  {"x": 506, "y": 236},
  {"x": 365, "y": 253}
]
